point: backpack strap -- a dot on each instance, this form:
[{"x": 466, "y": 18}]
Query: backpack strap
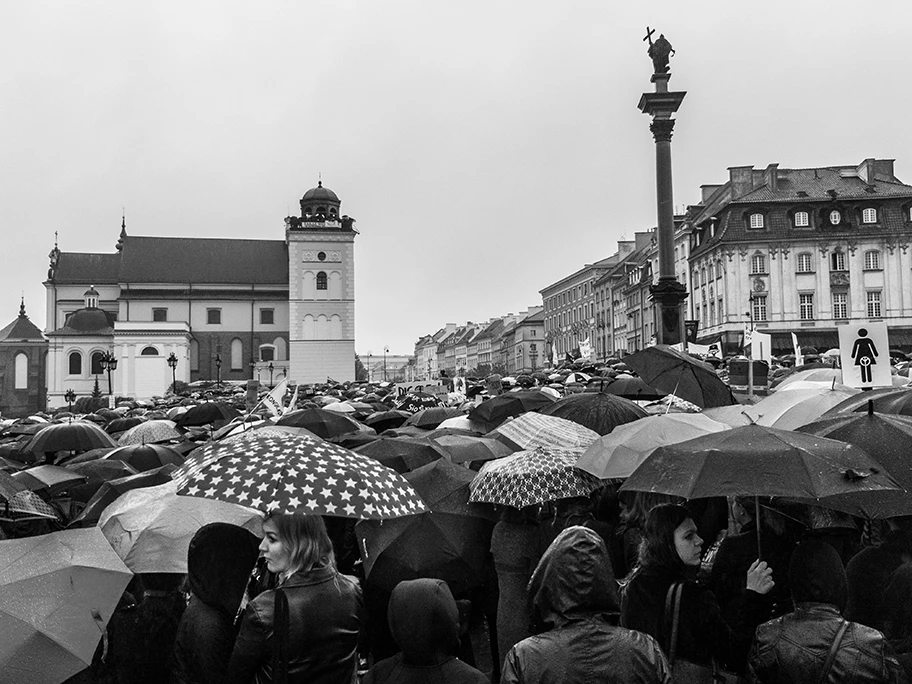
[
  {"x": 828, "y": 665},
  {"x": 673, "y": 618},
  {"x": 280, "y": 639}
]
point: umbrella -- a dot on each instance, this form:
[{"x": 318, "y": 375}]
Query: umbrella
[
  {"x": 10, "y": 486},
  {"x": 680, "y": 374},
  {"x": 577, "y": 377},
  {"x": 532, "y": 477},
  {"x": 384, "y": 420},
  {"x": 827, "y": 375},
  {"x": 108, "y": 492},
  {"x": 462, "y": 448},
  {"x": 26, "y": 505},
  {"x": 340, "y": 407},
  {"x": 122, "y": 424},
  {"x": 76, "y": 436},
  {"x": 434, "y": 416},
  {"x": 321, "y": 422},
  {"x": 532, "y": 430},
  {"x": 733, "y": 416},
  {"x": 402, "y": 454},
  {"x": 151, "y": 528},
  {"x": 149, "y": 432},
  {"x": 631, "y": 387},
  {"x": 617, "y": 454},
  {"x": 57, "y": 594},
  {"x": 496, "y": 410},
  {"x": 50, "y": 478},
  {"x": 463, "y": 423},
  {"x": 895, "y": 400},
  {"x": 755, "y": 460},
  {"x": 791, "y": 409},
  {"x": 210, "y": 412},
  {"x": 416, "y": 401},
  {"x": 449, "y": 542},
  {"x": 595, "y": 410},
  {"x": 299, "y": 474},
  {"x": 145, "y": 456}
]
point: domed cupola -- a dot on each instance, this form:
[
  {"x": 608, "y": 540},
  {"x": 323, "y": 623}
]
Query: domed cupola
[
  {"x": 320, "y": 204},
  {"x": 90, "y": 297}
]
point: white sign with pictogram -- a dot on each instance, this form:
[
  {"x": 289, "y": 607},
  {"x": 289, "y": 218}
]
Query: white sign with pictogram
[{"x": 864, "y": 349}]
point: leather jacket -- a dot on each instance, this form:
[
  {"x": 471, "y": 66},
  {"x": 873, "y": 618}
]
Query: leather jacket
[
  {"x": 325, "y": 616},
  {"x": 794, "y": 648}
]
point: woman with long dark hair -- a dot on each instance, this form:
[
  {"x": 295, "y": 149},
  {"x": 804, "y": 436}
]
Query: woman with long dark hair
[
  {"x": 309, "y": 626},
  {"x": 670, "y": 555}
]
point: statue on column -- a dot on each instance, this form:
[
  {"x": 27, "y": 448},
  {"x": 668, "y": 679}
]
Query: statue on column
[{"x": 659, "y": 51}]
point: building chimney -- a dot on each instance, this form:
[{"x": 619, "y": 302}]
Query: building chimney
[
  {"x": 707, "y": 191},
  {"x": 741, "y": 179},
  {"x": 771, "y": 177}
]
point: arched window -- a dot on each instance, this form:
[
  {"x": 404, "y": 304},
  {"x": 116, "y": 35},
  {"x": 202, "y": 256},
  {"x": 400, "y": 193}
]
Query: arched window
[
  {"x": 74, "y": 363},
  {"x": 237, "y": 354},
  {"x": 267, "y": 352},
  {"x": 309, "y": 328},
  {"x": 97, "y": 368},
  {"x": 869, "y": 215},
  {"x": 756, "y": 221},
  {"x": 280, "y": 353},
  {"x": 149, "y": 351},
  {"x": 758, "y": 264},
  {"x": 321, "y": 280},
  {"x": 802, "y": 219},
  {"x": 21, "y": 366}
]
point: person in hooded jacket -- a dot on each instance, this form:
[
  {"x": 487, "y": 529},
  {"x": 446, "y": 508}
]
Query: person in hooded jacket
[
  {"x": 424, "y": 621},
  {"x": 219, "y": 562},
  {"x": 572, "y": 592},
  {"x": 796, "y": 646}
]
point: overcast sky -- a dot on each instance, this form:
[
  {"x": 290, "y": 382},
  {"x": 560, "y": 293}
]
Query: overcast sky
[{"x": 486, "y": 148}]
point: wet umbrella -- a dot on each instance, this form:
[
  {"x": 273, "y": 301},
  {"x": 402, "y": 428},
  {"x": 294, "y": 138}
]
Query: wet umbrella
[
  {"x": 532, "y": 477},
  {"x": 49, "y": 478},
  {"x": 122, "y": 424},
  {"x": 416, "y": 401},
  {"x": 385, "y": 420},
  {"x": 151, "y": 528},
  {"x": 597, "y": 411},
  {"x": 76, "y": 436},
  {"x": 145, "y": 456},
  {"x": 828, "y": 375},
  {"x": 631, "y": 387},
  {"x": 26, "y": 505},
  {"x": 57, "y": 594},
  {"x": 434, "y": 416},
  {"x": 402, "y": 454},
  {"x": 210, "y": 412},
  {"x": 10, "y": 486},
  {"x": 790, "y": 409},
  {"x": 895, "y": 400},
  {"x": 321, "y": 422},
  {"x": 463, "y": 423},
  {"x": 531, "y": 430},
  {"x": 109, "y": 491},
  {"x": 298, "y": 474},
  {"x": 450, "y": 542},
  {"x": 463, "y": 449},
  {"x": 682, "y": 375},
  {"x": 97, "y": 473},
  {"x": 496, "y": 410},
  {"x": 149, "y": 432}
]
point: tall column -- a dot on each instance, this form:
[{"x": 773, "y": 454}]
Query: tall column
[{"x": 667, "y": 294}]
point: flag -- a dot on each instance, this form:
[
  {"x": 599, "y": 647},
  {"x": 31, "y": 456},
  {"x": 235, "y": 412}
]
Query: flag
[
  {"x": 273, "y": 400},
  {"x": 799, "y": 360},
  {"x": 585, "y": 348},
  {"x": 553, "y": 356},
  {"x": 294, "y": 400},
  {"x": 748, "y": 335}
]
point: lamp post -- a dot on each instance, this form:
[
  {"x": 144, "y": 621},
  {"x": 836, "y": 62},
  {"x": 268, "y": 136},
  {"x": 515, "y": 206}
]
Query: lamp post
[
  {"x": 749, "y": 343},
  {"x": 70, "y": 397},
  {"x": 218, "y": 371},
  {"x": 370, "y": 372},
  {"x": 271, "y": 370},
  {"x": 172, "y": 363},
  {"x": 385, "y": 350},
  {"x": 109, "y": 364}
]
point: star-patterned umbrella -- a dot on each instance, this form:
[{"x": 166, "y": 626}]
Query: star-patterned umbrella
[
  {"x": 298, "y": 474},
  {"x": 532, "y": 477}
]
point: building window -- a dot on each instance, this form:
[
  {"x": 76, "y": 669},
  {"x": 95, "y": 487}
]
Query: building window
[
  {"x": 213, "y": 316},
  {"x": 872, "y": 260},
  {"x": 756, "y": 221},
  {"x": 840, "y": 305},
  {"x": 321, "y": 280},
  {"x": 267, "y": 316},
  {"x": 759, "y": 308},
  {"x": 267, "y": 353},
  {"x": 20, "y": 367},
  {"x": 838, "y": 261},
  {"x": 74, "y": 363},
  {"x": 159, "y": 315},
  {"x": 869, "y": 215},
  {"x": 149, "y": 351},
  {"x": 758, "y": 264},
  {"x": 806, "y": 307},
  {"x": 835, "y": 217},
  {"x": 874, "y": 310},
  {"x": 96, "y": 364},
  {"x": 802, "y": 219},
  {"x": 804, "y": 263},
  {"x": 321, "y": 256}
]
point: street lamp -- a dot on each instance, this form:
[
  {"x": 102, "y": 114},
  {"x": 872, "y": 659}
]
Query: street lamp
[
  {"x": 271, "y": 369},
  {"x": 70, "y": 397},
  {"x": 218, "y": 371},
  {"x": 385, "y": 350},
  {"x": 109, "y": 364},
  {"x": 172, "y": 363},
  {"x": 750, "y": 346}
]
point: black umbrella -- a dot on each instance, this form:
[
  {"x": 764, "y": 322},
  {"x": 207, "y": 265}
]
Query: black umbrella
[
  {"x": 110, "y": 490},
  {"x": 894, "y": 400},
  {"x": 401, "y": 453},
  {"x": 597, "y": 411},
  {"x": 144, "y": 457},
  {"x": 432, "y": 417},
  {"x": 385, "y": 420},
  {"x": 321, "y": 422},
  {"x": 492, "y": 412},
  {"x": 682, "y": 375},
  {"x": 631, "y": 387},
  {"x": 122, "y": 424},
  {"x": 75, "y": 436},
  {"x": 210, "y": 412}
]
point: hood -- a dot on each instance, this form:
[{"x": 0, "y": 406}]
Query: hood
[
  {"x": 816, "y": 575},
  {"x": 424, "y": 620},
  {"x": 219, "y": 562},
  {"x": 573, "y": 578}
]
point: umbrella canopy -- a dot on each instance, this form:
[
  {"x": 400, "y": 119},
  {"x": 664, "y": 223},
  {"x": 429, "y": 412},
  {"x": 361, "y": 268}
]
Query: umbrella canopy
[
  {"x": 385, "y": 420},
  {"x": 57, "y": 594},
  {"x": 210, "y": 412},
  {"x": 10, "y": 486},
  {"x": 108, "y": 492},
  {"x": 733, "y": 416},
  {"x": 496, "y": 410},
  {"x": 145, "y": 456},
  {"x": 631, "y": 387},
  {"x": 532, "y": 430},
  {"x": 416, "y": 401},
  {"x": 828, "y": 375},
  {"x": 26, "y": 505},
  {"x": 122, "y": 424},
  {"x": 340, "y": 407},
  {"x": 298, "y": 474},
  {"x": 463, "y": 423},
  {"x": 432, "y": 417},
  {"x": 321, "y": 422},
  {"x": 762, "y": 461},
  {"x": 149, "y": 432},
  {"x": 595, "y": 410},
  {"x": 791, "y": 409},
  {"x": 402, "y": 454},
  {"x": 682, "y": 375},
  {"x": 449, "y": 542},
  {"x": 895, "y": 400},
  {"x": 462, "y": 448},
  {"x": 50, "y": 478},
  {"x": 532, "y": 477},
  {"x": 76, "y": 436},
  {"x": 151, "y": 528},
  {"x": 618, "y": 454}
]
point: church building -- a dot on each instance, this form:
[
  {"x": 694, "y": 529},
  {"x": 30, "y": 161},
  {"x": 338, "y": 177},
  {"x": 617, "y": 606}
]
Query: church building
[{"x": 226, "y": 309}]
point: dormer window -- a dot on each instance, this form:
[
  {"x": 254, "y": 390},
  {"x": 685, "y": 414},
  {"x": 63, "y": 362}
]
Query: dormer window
[
  {"x": 756, "y": 221},
  {"x": 802, "y": 219},
  {"x": 835, "y": 218},
  {"x": 869, "y": 215}
]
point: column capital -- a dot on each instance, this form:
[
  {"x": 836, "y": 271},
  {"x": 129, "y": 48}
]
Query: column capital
[{"x": 662, "y": 129}]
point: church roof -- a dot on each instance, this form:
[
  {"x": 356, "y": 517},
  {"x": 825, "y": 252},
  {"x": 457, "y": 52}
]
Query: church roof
[
  {"x": 21, "y": 330},
  {"x": 88, "y": 321},
  {"x": 75, "y": 267}
]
